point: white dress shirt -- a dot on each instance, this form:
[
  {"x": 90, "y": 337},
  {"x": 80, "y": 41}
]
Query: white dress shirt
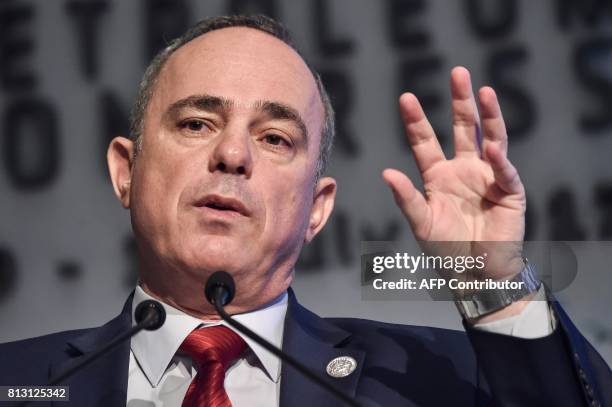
[
  {"x": 534, "y": 321},
  {"x": 159, "y": 377}
]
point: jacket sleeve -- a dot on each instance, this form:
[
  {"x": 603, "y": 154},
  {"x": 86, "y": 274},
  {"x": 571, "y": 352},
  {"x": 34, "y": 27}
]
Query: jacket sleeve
[{"x": 561, "y": 369}]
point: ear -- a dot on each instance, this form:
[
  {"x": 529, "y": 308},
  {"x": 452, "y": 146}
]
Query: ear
[
  {"x": 119, "y": 157},
  {"x": 322, "y": 206}
]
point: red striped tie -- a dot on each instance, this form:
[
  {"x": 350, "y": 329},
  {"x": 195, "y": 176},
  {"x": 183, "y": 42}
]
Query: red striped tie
[{"x": 213, "y": 350}]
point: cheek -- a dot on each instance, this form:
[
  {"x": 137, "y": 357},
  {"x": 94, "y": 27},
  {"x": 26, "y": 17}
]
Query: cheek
[
  {"x": 157, "y": 188},
  {"x": 167, "y": 167},
  {"x": 289, "y": 213}
]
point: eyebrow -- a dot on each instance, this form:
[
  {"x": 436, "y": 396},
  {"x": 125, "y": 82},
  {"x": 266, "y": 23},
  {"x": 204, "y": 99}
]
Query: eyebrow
[
  {"x": 207, "y": 103},
  {"x": 220, "y": 105},
  {"x": 280, "y": 111}
]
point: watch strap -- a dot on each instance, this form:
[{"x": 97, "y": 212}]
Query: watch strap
[{"x": 483, "y": 302}]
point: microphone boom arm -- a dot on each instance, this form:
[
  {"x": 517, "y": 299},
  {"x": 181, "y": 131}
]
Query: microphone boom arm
[
  {"x": 220, "y": 296},
  {"x": 150, "y": 315}
]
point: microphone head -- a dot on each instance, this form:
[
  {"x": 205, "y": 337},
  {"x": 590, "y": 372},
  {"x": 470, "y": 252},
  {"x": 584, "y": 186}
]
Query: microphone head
[
  {"x": 152, "y": 311},
  {"x": 220, "y": 280}
]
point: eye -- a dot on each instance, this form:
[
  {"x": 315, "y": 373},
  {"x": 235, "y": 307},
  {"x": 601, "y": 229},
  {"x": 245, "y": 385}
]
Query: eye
[
  {"x": 276, "y": 140},
  {"x": 193, "y": 125}
]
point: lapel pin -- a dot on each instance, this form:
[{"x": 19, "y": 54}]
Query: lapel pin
[{"x": 341, "y": 366}]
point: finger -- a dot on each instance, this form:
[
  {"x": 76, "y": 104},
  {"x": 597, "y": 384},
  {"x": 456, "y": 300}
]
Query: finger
[
  {"x": 493, "y": 126},
  {"x": 506, "y": 176},
  {"x": 423, "y": 141},
  {"x": 465, "y": 114},
  {"x": 410, "y": 200}
]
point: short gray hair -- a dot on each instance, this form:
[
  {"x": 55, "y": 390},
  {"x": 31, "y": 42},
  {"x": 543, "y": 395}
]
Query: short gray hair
[{"x": 259, "y": 22}]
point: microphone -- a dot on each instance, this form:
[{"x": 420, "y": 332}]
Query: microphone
[
  {"x": 149, "y": 315},
  {"x": 220, "y": 290}
]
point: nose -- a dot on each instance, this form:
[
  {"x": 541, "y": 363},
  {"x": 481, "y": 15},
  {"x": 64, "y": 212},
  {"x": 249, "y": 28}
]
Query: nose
[{"x": 232, "y": 153}]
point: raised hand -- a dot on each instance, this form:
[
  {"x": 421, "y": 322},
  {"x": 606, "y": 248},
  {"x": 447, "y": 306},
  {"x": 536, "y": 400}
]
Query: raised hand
[{"x": 475, "y": 196}]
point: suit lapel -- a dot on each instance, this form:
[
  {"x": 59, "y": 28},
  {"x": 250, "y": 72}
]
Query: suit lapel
[
  {"x": 314, "y": 342},
  {"x": 104, "y": 381},
  {"x": 307, "y": 337}
]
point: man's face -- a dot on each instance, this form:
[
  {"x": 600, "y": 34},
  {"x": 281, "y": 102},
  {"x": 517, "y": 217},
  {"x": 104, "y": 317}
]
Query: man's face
[{"x": 225, "y": 178}]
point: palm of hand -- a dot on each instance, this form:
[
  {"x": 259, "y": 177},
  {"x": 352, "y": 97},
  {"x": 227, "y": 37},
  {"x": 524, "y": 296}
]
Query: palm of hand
[{"x": 465, "y": 204}]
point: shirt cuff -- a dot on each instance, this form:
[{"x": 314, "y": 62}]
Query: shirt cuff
[{"x": 535, "y": 320}]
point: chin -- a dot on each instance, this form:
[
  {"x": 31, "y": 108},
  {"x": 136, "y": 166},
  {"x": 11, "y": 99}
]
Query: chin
[{"x": 214, "y": 253}]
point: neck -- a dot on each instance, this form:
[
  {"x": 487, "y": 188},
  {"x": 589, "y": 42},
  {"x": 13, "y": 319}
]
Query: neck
[{"x": 187, "y": 294}]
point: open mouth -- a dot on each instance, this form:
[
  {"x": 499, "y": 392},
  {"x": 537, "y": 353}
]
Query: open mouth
[
  {"x": 223, "y": 204},
  {"x": 218, "y": 207}
]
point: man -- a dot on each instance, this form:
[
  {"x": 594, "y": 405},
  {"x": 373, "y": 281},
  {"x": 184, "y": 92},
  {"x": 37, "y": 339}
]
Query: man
[{"x": 224, "y": 171}]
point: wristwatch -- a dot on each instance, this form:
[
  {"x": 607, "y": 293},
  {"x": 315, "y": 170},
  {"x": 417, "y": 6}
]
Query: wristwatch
[{"x": 483, "y": 302}]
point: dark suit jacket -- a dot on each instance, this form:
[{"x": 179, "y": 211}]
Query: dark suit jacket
[{"x": 397, "y": 365}]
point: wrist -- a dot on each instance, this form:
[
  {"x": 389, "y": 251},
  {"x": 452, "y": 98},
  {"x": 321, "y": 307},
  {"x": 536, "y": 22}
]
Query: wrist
[
  {"x": 500, "y": 298},
  {"x": 510, "y": 310}
]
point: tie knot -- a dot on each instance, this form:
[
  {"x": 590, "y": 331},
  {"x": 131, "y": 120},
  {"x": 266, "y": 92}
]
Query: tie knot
[{"x": 215, "y": 344}]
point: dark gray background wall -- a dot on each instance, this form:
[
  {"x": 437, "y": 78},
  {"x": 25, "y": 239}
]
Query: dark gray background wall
[{"x": 69, "y": 71}]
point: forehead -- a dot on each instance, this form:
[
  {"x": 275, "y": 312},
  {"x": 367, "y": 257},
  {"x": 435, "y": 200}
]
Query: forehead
[{"x": 244, "y": 65}]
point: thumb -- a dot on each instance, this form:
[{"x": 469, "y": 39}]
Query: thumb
[{"x": 411, "y": 201}]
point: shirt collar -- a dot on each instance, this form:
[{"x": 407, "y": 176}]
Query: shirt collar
[{"x": 154, "y": 350}]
